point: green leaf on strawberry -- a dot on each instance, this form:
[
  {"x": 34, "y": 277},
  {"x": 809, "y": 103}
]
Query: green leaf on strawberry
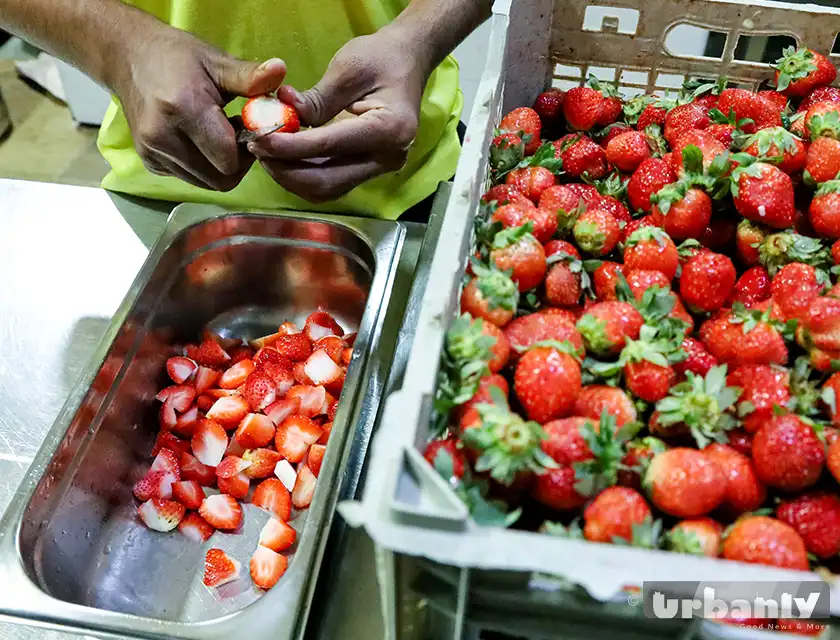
[
  {"x": 825, "y": 125},
  {"x": 634, "y": 106},
  {"x": 692, "y": 159},
  {"x": 572, "y": 532},
  {"x": 510, "y": 236},
  {"x": 794, "y": 64},
  {"x": 646, "y": 535},
  {"x": 718, "y": 117},
  {"x": 681, "y": 540},
  {"x": 596, "y": 371},
  {"x": 496, "y": 286},
  {"x": 612, "y": 186},
  {"x": 670, "y": 194},
  {"x": 693, "y": 88},
  {"x": 779, "y": 249},
  {"x": 545, "y": 157},
  {"x": 607, "y": 89},
  {"x": 608, "y": 447},
  {"x": 656, "y": 143}
]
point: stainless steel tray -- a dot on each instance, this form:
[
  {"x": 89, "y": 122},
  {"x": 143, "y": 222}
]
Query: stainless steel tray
[{"x": 72, "y": 553}]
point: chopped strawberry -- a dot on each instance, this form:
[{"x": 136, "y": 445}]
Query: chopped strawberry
[
  {"x": 228, "y": 412},
  {"x": 161, "y": 515},
  {"x": 255, "y": 430},
  {"x": 231, "y": 466},
  {"x": 155, "y": 484},
  {"x": 286, "y": 473},
  {"x": 263, "y": 112},
  {"x": 219, "y": 568},
  {"x": 167, "y": 460},
  {"x": 236, "y": 486},
  {"x": 311, "y": 399},
  {"x": 221, "y": 512},
  {"x": 327, "y": 428},
  {"x": 281, "y": 409},
  {"x": 321, "y": 368},
  {"x": 189, "y": 493},
  {"x": 180, "y": 396},
  {"x": 288, "y": 328},
  {"x": 209, "y": 442},
  {"x": 273, "y": 496},
  {"x": 166, "y": 440},
  {"x": 300, "y": 375},
  {"x": 185, "y": 424},
  {"x": 267, "y": 567},
  {"x": 281, "y": 374},
  {"x": 277, "y": 535},
  {"x": 195, "y": 528},
  {"x": 223, "y": 393},
  {"x": 270, "y": 354},
  {"x": 205, "y": 402},
  {"x": 333, "y": 345},
  {"x": 205, "y": 378},
  {"x": 210, "y": 354},
  {"x": 304, "y": 488},
  {"x": 236, "y": 375},
  {"x": 235, "y": 449},
  {"x": 180, "y": 369},
  {"x": 241, "y": 353},
  {"x": 262, "y": 462},
  {"x": 167, "y": 417},
  {"x": 266, "y": 341},
  {"x": 325, "y": 321},
  {"x": 226, "y": 343},
  {"x": 296, "y": 347},
  {"x": 315, "y": 458},
  {"x": 260, "y": 391},
  {"x": 192, "y": 469},
  {"x": 347, "y": 356},
  {"x": 295, "y": 435}
]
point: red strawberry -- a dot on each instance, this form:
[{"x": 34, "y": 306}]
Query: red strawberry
[
  {"x": 566, "y": 445},
  {"x": 195, "y": 528},
  {"x": 450, "y": 449},
  {"x": 582, "y": 156},
  {"x": 636, "y": 460},
  {"x": 273, "y": 496},
  {"x": 209, "y": 442},
  {"x": 205, "y": 378},
  {"x": 605, "y": 135},
  {"x": 259, "y": 392},
  {"x": 262, "y": 462},
  {"x": 304, "y": 487},
  {"x": 698, "y": 360},
  {"x": 491, "y": 296},
  {"x": 525, "y": 123},
  {"x": 500, "y": 349},
  {"x": 229, "y": 411},
  {"x": 210, "y": 354},
  {"x": 236, "y": 375},
  {"x": 563, "y": 283},
  {"x": 683, "y": 214},
  {"x": 740, "y": 440},
  {"x": 835, "y": 252},
  {"x": 185, "y": 423},
  {"x": 506, "y": 151},
  {"x": 167, "y": 460},
  {"x": 824, "y": 212},
  {"x": 799, "y": 71},
  {"x": 640, "y": 280},
  {"x": 748, "y": 239},
  {"x": 699, "y": 536},
  {"x": 267, "y": 567},
  {"x": 763, "y": 540},
  {"x": 219, "y": 568},
  {"x": 794, "y": 288},
  {"x": 753, "y": 286},
  {"x": 239, "y": 354},
  {"x": 277, "y": 535},
  {"x": 180, "y": 369},
  {"x": 546, "y": 383},
  {"x": 597, "y": 232},
  {"x": 706, "y": 281},
  {"x": 313, "y": 400},
  {"x": 744, "y": 491},
  {"x": 315, "y": 458},
  {"x": 236, "y": 486},
  {"x": 518, "y": 251},
  {"x": 648, "y": 179},
  {"x": 255, "y": 431},
  {"x": 189, "y": 493},
  {"x": 822, "y": 162},
  {"x": 778, "y": 146},
  {"x": 651, "y": 248},
  {"x": 722, "y": 133},
  {"x": 685, "y": 482},
  {"x": 648, "y": 381},
  {"x": 165, "y": 440},
  {"x": 295, "y": 347},
  {"x": 606, "y": 277},
  {"x": 737, "y": 340},
  {"x": 594, "y": 399},
  {"x": 565, "y": 203},
  {"x": 820, "y": 94},
  {"x": 155, "y": 484},
  {"x": 179, "y": 397},
  {"x": 503, "y": 194},
  {"x": 787, "y": 453},
  {"x": 585, "y": 192},
  {"x": 549, "y": 106},
  {"x": 161, "y": 515},
  {"x": 627, "y": 151},
  {"x": 268, "y": 112},
  {"x": 684, "y": 118},
  {"x": 582, "y": 108},
  {"x": 527, "y": 331},
  {"x": 652, "y": 114},
  {"x": 531, "y": 181},
  {"x": 294, "y": 436},
  {"x": 612, "y": 206},
  {"x": 743, "y": 105},
  {"x": 815, "y": 517},
  {"x": 613, "y": 514},
  {"x": 778, "y": 100},
  {"x": 544, "y": 222},
  {"x": 708, "y": 145},
  {"x": 763, "y": 193},
  {"x": 606, "y": 325},
  {"x": 763, "y": 388},
  {"x": 192, "y": 469}
]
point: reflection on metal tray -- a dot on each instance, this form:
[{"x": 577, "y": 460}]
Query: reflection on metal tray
[{"x": 72, "y": 552}]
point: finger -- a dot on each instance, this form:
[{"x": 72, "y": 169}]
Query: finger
[
  {"x": 214, "y": 137},
  {"x": 161, "y": 166},
  {"x": 182, "y": 152},
  {"x": 325, "y": 100},
  {"x": 241, "y": 78}
]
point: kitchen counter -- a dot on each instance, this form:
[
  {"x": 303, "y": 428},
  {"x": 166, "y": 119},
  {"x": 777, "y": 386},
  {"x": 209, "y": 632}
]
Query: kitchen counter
[{"x": 68, "y": 255}]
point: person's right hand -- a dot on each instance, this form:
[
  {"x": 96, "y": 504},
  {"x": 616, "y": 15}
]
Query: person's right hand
[{"x": 173, "y": 88}]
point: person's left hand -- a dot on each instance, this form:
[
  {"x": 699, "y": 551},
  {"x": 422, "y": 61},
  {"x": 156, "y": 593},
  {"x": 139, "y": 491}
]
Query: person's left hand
[{"x": 380, "y": 81}]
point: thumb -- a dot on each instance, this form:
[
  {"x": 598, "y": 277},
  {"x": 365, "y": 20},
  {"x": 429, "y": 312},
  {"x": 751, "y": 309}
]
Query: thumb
[
  {"x": 240, "y": 78},
  {"x": 321, "y": 103}
]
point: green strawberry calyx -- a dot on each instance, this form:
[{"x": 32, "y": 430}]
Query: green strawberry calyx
[
  {"x": 589, "y": 236},
  {"x": 830, "y": 186},
  {"x": 648, "y": 444},
  {"x": 506, "y": 154},
  {"x": 701, "y": 404},
  {"x": 633, "y": 108},
  {"x": 719, "y": 117},
  {"x": 662, "y": 351},
  {"x": 681, "y": 540},
  {"x": 612, "y": 186},
  {"x": 513, "y": 235},
  {"x": 607, "y": 444},
  {"x": 647, "y": 234},
  {"x": 784, "y": 247},
  {"x": 496, "y": 287},
  {"x": 573, "y": 531},
  {"x": 777, "y": 138},
  {"x": 670, "y": 194},
  {"x": 693, "y": 88},
  {"x": 607, "y": 89},
  {"x": 645, "y": 535},
  {"x": 545, "y": 157},
  {"x": 655, "y": 142},
  {"x": 825, "y": 125},
  {"x": 794, "y": 65},
  {"x": 594, "y": 332},
  {"x": 804, "y": 392}
]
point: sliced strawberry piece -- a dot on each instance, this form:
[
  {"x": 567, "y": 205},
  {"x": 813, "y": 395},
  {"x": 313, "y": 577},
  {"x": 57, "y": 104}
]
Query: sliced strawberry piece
[
  {"x": 255, "y": 430},
  {"x": 205, "y": 378},
  {"x": 262, "y": 112},
  {"x": 265, "y": 341},
  {"x": 322, "y": 321},
  {"x": 333, "y": 345},
  {"x": 189, "y": 493},
  {"x": 167, "y": 460},
  {"x": 286, "y": 473},
  {"x": 281, "y": 409},
  {"x": 272, "y": 496},
  {"x": 329, "y": 402},
  {"x": 219, "y": 568},
  {"x": 335, "y": 388},
  {"x": 288, "y": 328},
  {"x": 155, "y": 484},
  {"x": 277, "y": 535},
  {"x": 182, "y": 394},
  {"x": 236, "y": 375},
  {"x": 241, "y": 353},
  {"x": 311, "y": 399},
  {"x": 180, "y": 369},
  {"x": 225, "y": 343},
  {"x": 231, "y": 466},
  {"x": 185, "y": 425},
  {"x": 333, "y": 410},
  {"x": 209, "y": 442},
  {"x": 229, "y": 411},
  {"x": 270, "y": 354},
  {"x": 236, "y": 486},
  {"x": 223, "y": 393},
  {"x": 267, "y": 567},
  {"x": 350, "y": 339},
  {"x": 262, "y": 462},
  {"x": 260, "y": 391},
  {"x": 300, "y": 375},
  {"x": 346, "y": 357},
  {"x": 211, "y": 354},
  {"x": 166, "y": 440},
  {"x": 195, "y": 528},
  {"x": 168, "y": 419},
  {"x": 282, "y": 375},
  {"x": 222, "y": 512},
  {"x": 296, "y": 347},
  {"x": 294, "y": 435},
  {"x": 235, "y": 449},
  {"x": 192, "y": 469},
  {"x": 315, "y": 458},
  {"x": 327, "y": 429},
  {"x": 304, "y": 488},
  {"x": 321, "y": 368},
  {"x": 205, "y": 402},
  {"x": 161, "y": 515}
]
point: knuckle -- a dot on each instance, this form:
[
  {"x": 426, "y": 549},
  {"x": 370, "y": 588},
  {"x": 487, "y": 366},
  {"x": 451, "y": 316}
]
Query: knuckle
[{"x": 401, "y": 127}]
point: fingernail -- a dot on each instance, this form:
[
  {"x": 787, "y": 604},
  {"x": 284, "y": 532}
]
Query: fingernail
[
  {"x": 253, "y": 148},
  {"x": 272, "y": 61}
]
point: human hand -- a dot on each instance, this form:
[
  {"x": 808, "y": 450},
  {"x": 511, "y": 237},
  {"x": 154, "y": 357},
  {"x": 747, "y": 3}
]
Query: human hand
[
  {"x": 173, "y": 88},
  {"x": 378, "y": 80}
]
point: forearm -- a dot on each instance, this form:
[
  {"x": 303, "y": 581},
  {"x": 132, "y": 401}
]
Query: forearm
[
  {"x": 90, "y": 34},
  {"x": 433, "y": 28}
]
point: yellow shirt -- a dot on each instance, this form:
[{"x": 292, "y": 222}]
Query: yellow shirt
[{"x": 306, "y": 35}]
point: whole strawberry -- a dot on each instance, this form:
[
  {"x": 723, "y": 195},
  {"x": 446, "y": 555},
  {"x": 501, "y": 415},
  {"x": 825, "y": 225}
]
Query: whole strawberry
[
  {"x": 685, "y": 483},
  {"x": 596, "y": 232},
  {"x": 799, "y": 71},
  {"x": 543, "y": 222},
  {"x": 503, "y": 194},
  {"x": 794, "y": 288},
  {"x": 582, "y": 156},
  {"x": 593, "y": 400},
  {"x": 698, "y": 360},
  {"x": 763, "y": 388},
  {"x": 748, "y": 239},
  {"x": 565, "y": 203},
  {"x": 582, "y": 108},
  {"x": 738, "y": 338},
  {"x": 746, "y": 105},
  {"x": 546, "y": 382},
  {"x": 647, "y": 370},
  {"x": 764, "y": 193},
  {"x": 682, "y": 212},
  {"x": 787, "y": 453},
  {"x": 500, "y": 351},
  {"x": 651, "y": 248},
  {"x": 824, "y": 211},
  {"x": 506, "y": 151},
  {"x": 636, "y": 460},
  {"x": 684, "y": 118},
  {"x": 830, "y": 392},
  {"x": 698, "y": 536},
  {"x": 531, "y": 181},
  {"x": 563, "y": 282},
  {"x": 833, "y": 461},
  {"x": 627, "y": 151},
  {"x": 640, "y": 280},
  {"x": 706, "y": 281},
  {"x": 446, "y": 448},
  {"x": 822, "y": 162},
  {"x": 612, "y": 206},
  {"x": 709, "y": 147},
  {"x": 566, "y": 445},
  {"x": 606, "y": 277},
  {"x": 652, "y": 114},
  {"x": 606, "y": 325},
  {"x": 744, "y": 491},
  {"x": 648, "y": 179},
  {"x": 820, "y": 94},
  {"x": 820, "y": 328},
  {"x": 521, "y": 253},
  {"x": 752, "y": 287},
  {"x": 763, "y": 540},
  {"x": 815, "y": 517},
  {"x": 491, "y": 295},
  {"x": 525, "y": 123},
  {"x": 613, "y": 514},
  {"x": 778, "y": 146},
  {"x": 548, "y": 324},
  {"x": 549, "y": 106}
]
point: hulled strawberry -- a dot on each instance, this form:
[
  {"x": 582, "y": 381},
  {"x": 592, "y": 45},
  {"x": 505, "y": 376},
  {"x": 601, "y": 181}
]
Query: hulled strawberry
[
  {"x": 520, "y": 252},
  {"x": 778, "y": 146},
  {"x": 824, "y": 211},
  {"x": 547, "y": 381},
  {"x": 787, "y": 453},
  {"x": 651, "y": 248},
  {"x": 582, "y": 108},
  {"x": 596, "y": 232},
  {"x": 815, "y": 517},
  {"x": 266, "y": 112},
  {"x": 682, "y": 211},
  {"x": 526, "y": 124},
  {"x": 763, "y": 193},
  {"x": 799, "y": 71},
  {"x": 615, "y": 514},
  {"x": 706, "y": 281},
  {"x": 627, "y": 151},
  {"x": 606, "y": 325},
  {"x": 697, "y": 536},
  {"x": 648, "y": 179},
  {"x": 763, "y": 540},
  {"x": 685, "y": 483},
  {"x": 491, "y": 295},
  {"x": 582, "y": 157},
  {"x": 744, "y": 491}
]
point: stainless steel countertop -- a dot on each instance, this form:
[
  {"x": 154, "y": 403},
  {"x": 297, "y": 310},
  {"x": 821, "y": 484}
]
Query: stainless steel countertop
[{"x": 67, "y": 257}]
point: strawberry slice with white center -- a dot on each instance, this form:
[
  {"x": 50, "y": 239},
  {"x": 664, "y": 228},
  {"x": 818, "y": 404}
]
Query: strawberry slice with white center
[
  {"x": 321, "y": 369},
  {"x": 192, "y": 469},
  {"x": 311, "y": 399},
  {"x": 180, "y": 369},
  {"x": 165, "y": 440},
  {"x": 272, "y": 496},
  {"x": 155, "y": 484},
  {"x": 189, "y": 493},
  {"x": 265, "y": 341},
  {"x": 288, "y": 328},
  {"x": 333, "y": 345},
  {"x": 236, "y": 375},
  {"x": 222, "y": 512},
  {"x": 222, "y": 393},
  {"x": 267, "y": 567},
  {"x": 236, "y": 486},
  {"x": 270, "y": 354},
  {"x": 168, "y": 418},
  {"x": 282, "y": 409},
  {"x": 321, "y": 324},
  {"x": 286, "y": 473},
  {"x": 195, "y": 528},
  {"x": 315, "y": 458},
  {"x": 277, "y": 535},
  {"x": 219, "y": 568},
  {"x": 205, "y": 378},
  {"x": 262, "y": 462},
  {"x": 300, "y": 375},
  {"x": 167, "y": 460},
  {"x": 268, "y": 112},
  {"x": 182, "y": 396},
  {"x": 231, "y": 466},
  {"x": 185, "y": 425},
  {"x": 229, "y": 411},
  {"x": 209, "y": 442},
  {"x": 304, "y": 487},
  {"x": 294, "y": 435},
  {"x": 259, "y": 392},
  {"x": 255, "y": 430},
  {"x": 161, "y": 515}
]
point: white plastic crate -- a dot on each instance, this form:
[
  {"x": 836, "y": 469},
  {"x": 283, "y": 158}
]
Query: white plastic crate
[{"x": 407, "y": 508}]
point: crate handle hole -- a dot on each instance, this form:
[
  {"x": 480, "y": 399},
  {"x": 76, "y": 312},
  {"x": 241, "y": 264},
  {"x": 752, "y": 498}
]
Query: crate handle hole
[
  {"x": 836, "y": 48},
  {"x": 611, "y": 20},
  {"x": 763, "y": 49},
  {"x": 692, "y": 41}
]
